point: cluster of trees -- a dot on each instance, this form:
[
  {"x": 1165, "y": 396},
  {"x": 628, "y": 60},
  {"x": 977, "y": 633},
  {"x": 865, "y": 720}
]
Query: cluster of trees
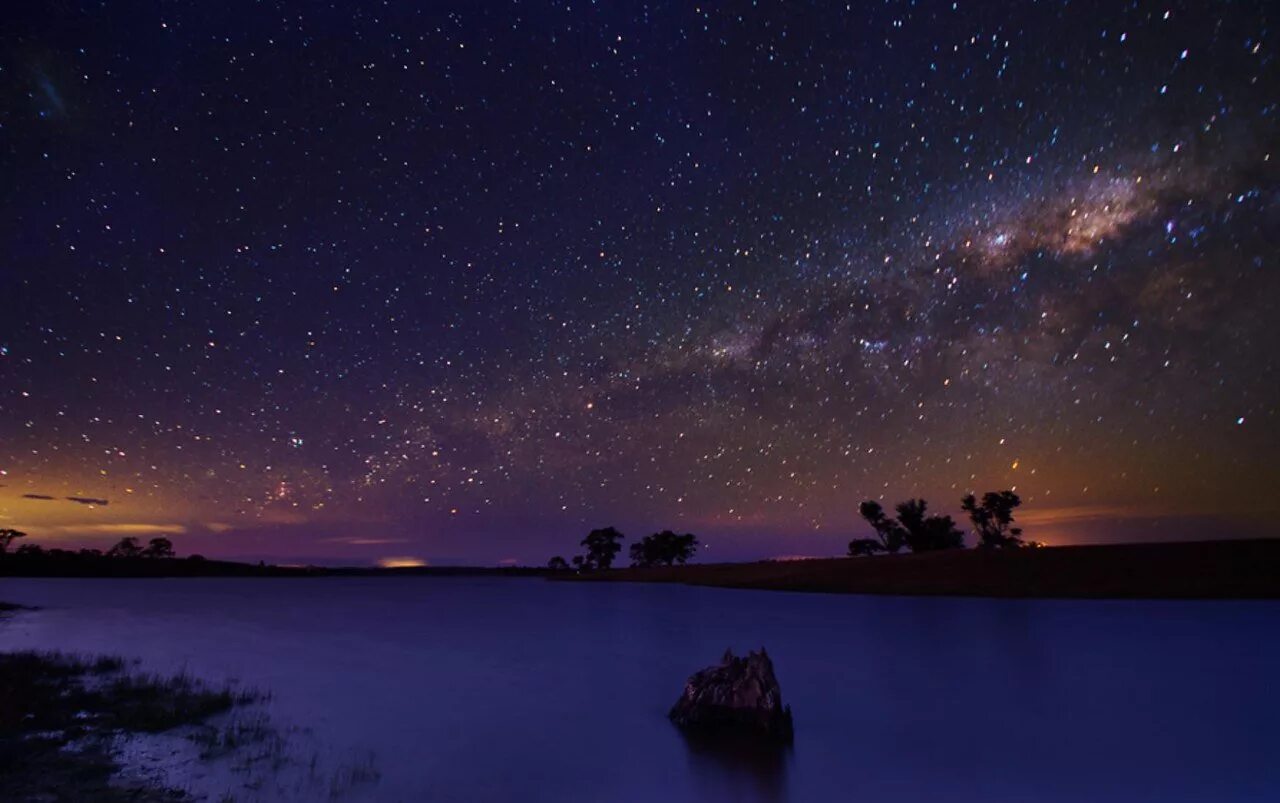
[
  {"x": 124, "y": 548},
  {"x": 664, "y": 549},
  {"x": 603, "y": 545},
  {"x": 130, "y": 548},
  {"x": 912, "y": 528}
]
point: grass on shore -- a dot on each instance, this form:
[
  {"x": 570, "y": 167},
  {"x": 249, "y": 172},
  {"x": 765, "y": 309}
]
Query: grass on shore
[{"x": 58, "y": 714}]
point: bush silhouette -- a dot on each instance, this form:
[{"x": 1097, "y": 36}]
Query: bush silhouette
[
  {"x": 865, "y": 546},
  {"x": 558, "y": 564}
]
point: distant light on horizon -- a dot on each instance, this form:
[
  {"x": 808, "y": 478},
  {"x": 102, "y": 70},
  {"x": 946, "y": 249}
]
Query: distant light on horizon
[{"x": 401, "y": 562}]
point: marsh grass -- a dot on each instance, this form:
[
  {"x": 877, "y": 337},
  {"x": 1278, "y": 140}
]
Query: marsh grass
[
  {"x": 347, "y": 777},
  {"x": 252, "y": 738},
  {"x": 59, "y": 711}
]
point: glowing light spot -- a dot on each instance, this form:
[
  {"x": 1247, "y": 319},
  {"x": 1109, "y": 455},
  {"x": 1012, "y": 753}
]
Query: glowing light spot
[{"x": 401, "y": 562}]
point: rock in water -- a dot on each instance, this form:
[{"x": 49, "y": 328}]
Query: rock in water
[{"x": 739, "y": 697}]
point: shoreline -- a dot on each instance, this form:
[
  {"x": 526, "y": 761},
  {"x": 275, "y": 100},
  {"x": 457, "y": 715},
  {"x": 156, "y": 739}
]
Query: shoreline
[
  {"x": 97, "y": 726},
  {"x": 1223, "y": 569},
  {"x": 20, "y": 566},
  {"x": 67, "y": 722},
  {"x": 1235, "y": 569}
]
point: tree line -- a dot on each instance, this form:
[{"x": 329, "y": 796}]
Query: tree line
[
  {"x": 603, "y": 545},
  {"x": 912, "y": 528},
  {"x": 127, "y": 548}
]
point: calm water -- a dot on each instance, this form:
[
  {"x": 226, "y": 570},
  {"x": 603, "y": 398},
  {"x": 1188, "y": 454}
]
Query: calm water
[{"x": 524, "y": 690}]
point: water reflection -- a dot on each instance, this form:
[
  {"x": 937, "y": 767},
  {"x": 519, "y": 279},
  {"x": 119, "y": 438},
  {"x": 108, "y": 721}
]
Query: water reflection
[
  {"x": 742, "y": 770},
  {"x": 492, "y": 690}
]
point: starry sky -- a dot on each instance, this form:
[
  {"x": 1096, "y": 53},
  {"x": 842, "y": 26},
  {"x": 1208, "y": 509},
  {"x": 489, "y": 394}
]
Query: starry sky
[{"x": 345, "y": 281}]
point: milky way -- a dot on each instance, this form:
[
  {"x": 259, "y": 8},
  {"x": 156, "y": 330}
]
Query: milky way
[{"x": 459, "y": 283}]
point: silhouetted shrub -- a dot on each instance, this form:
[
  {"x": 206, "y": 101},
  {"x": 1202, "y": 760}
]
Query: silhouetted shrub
[{"x": 865, "y": 546}]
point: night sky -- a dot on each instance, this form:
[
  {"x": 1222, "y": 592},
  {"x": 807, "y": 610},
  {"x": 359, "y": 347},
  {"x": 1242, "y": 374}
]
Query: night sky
[{"x": 350, "y": 280}]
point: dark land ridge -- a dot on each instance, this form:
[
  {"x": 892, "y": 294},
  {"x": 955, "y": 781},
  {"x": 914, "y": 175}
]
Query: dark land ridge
[
  {"x": 71, "y": 564},
  {"x": 1228, "y": 569},
  {"x": 1222, "y": 569}
]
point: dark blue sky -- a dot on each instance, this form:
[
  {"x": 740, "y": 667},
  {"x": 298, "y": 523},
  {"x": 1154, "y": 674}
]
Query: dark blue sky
[{"x": 351, "y": 280}]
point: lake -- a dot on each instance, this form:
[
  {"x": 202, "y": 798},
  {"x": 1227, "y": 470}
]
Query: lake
[{"x": 499, "y": 689}]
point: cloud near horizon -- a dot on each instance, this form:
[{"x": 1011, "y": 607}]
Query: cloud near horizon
[
  {"x": 88, "y": 501},
  {"x": 121, "y": 528}
]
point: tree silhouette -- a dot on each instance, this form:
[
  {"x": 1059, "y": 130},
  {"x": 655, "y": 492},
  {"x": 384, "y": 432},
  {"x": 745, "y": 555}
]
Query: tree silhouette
[
  {"x": 158, "y": 548},
  {"x": 892, "y": 536},
  {"x": 664, "y": 549},
  {"x": 993, "y": 518},
  {"x": 125, "y": 548},
  {"x": 602, "y": 545},
  {"x": 558, "y": 564},
  {"x": 912, "y": 528},
  {"x": 927, "y": 533},
  {"x": 7, "y": 537}
]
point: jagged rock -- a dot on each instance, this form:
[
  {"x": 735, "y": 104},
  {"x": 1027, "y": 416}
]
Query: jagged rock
[{"x": 738, "y": 697}]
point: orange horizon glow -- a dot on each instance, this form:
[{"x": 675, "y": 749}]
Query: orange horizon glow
[{"x": 401, "y": 562}]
